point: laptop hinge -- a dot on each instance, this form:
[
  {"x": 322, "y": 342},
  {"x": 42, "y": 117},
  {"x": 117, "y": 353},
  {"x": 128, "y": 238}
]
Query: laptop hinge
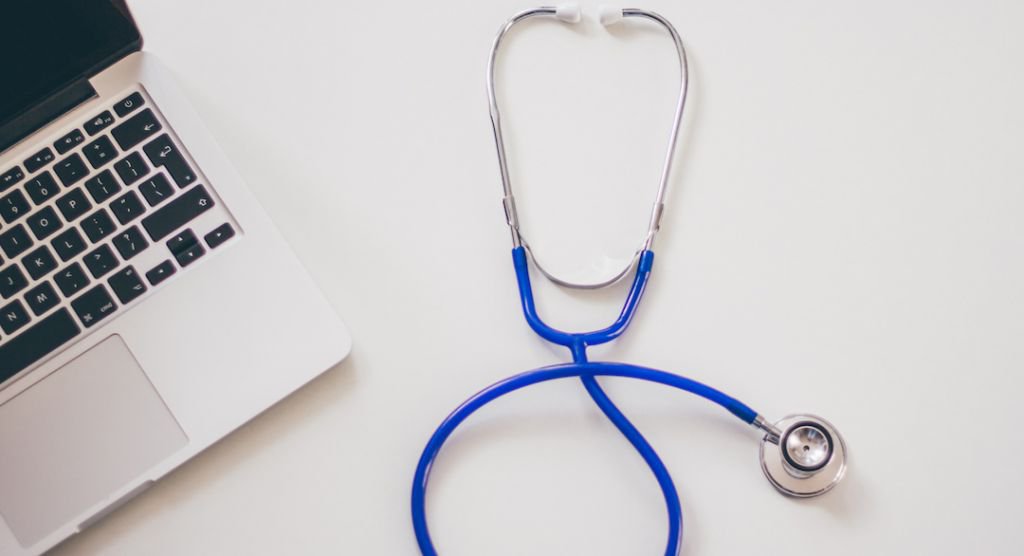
[{"x": 41, "y": 114}]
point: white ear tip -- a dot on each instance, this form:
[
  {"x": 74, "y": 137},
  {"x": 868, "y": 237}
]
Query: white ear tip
[
  {"x": 609, "y": 15},
  {"x": 569, "y": 13}
]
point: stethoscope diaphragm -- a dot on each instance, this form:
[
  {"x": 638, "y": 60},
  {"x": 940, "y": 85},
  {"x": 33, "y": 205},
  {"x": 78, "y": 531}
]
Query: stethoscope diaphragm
[{"x": 806, "y": 458}]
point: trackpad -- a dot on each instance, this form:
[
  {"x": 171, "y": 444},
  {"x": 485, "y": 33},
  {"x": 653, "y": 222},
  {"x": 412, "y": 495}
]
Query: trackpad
[{"x": 72, "y": 440}]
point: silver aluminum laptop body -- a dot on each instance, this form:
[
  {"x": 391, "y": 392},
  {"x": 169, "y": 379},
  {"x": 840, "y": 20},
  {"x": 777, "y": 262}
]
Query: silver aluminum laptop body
[{"x": 149, "y": 383}]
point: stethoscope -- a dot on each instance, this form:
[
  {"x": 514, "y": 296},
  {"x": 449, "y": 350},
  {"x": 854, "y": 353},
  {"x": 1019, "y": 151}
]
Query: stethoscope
[{"x": 801, "y": 455}]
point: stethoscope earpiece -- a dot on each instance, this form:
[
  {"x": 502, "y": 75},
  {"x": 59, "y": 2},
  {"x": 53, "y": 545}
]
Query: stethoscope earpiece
[{"x": 803, "y": 455}]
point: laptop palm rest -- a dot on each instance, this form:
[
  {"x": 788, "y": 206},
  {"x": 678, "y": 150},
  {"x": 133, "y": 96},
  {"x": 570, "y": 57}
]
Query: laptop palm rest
[{"x": 79, "y": 435}]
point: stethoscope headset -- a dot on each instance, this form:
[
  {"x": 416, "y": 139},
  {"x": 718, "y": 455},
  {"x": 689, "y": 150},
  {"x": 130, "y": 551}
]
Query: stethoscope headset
[{"x": 801, "y": 455}]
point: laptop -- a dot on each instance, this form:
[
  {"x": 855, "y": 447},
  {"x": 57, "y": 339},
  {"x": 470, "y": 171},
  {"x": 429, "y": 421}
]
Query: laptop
[{"x": 148, "y": 306}]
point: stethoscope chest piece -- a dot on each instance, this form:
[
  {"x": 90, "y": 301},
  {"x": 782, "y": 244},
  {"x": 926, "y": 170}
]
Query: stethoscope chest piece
[{"x": 807, "y": 458}]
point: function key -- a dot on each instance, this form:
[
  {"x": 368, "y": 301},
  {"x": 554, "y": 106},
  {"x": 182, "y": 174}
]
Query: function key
[
  {"x": 38, "y": 160},
  {"x": 11, "y": 177},
  {"x": 71, "y": 170},
  {"x": 69, "y": 141},
  {"x": 130, "y": 103},
  {"x": 99, "y": 123},
  {"x": 136, "y": 129},
  {"x": 217, "y": 237}
]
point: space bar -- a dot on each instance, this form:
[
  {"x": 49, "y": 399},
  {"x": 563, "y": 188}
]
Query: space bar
[{"x": 36, "y": 343}]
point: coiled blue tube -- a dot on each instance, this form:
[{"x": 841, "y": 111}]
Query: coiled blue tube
[{"x": 586, "y": 371}]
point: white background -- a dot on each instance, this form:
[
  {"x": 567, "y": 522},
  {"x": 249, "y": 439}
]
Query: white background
[{"x": 844, "y": 236}]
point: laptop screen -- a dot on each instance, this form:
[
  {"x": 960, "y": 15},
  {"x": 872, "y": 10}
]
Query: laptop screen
[{"x": 47, "y": 45}]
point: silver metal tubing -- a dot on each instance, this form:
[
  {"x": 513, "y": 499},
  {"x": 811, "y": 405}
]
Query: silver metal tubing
[{"x": 508, "y": 200}]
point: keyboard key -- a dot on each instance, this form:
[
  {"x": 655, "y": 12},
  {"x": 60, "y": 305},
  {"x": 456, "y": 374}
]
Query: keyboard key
[
  {"x": 69, "y": 141},
  {"x": 11, "y": 177},
  {"x": 15, "y": 241},
  {"x": 42, "y": 298},
  {"x": 136, "y": 129},
  {"x": 74, "y": 205},
  {"x": 98, "y": 225},
  {"x": 177, "y": 213},
  {"x": 71, "y": 280},
  {"x": 100, "y": 261},
  {"x": 161, "y": 272},
  {"x": 182, "y": 241},
  {"x": 39, "y": 263},
  {"x": 190, "y": 255},
  {"x": 99, "y": 123},
  {"x": 217, "y": 237},
  {"x": 131, "y": 168},
  {"x": 102, "y": 186},
  {"x": 162, "y": 152},
  {"x": 127, "y": 285},
  {"x": 44, "y": 223},
  {"x": 12, "y": 281},
  {"x": 130, "y": 103},
  {"x": 38, "y": 160},
  {"x": 127, "y": 207},
  {"x": 13, "y": 206},
  {"x": 130, "y": 242},
  {"x": 100, "y": 152},
  {"x": 68, "y": 244},
  {"x": 94, "y": 306},
  {"x": 156, "y": 190},
  {"x": 36, "y": 342},
  {"x": 186, "y": 248},
  {"x": 71, "y": 170},
  {"x": 13, "y": 317},
  {"x": 42, "y": 188}
]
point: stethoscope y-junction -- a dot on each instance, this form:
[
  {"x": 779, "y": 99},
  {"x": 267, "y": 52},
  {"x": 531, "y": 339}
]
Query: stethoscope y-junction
[{"x": 801, "y": 455}]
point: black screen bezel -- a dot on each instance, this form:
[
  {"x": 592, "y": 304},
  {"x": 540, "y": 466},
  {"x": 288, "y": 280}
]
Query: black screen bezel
[{"x": 53, "y": 100}]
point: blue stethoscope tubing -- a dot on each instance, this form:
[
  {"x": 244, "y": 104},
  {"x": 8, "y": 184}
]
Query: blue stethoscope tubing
[
  {"x": 577, "y": 343},
  {"x": 587, "y": 372}
]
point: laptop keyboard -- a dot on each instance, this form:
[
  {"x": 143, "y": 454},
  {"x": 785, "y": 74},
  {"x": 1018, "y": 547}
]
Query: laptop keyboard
[{"x": 94, "y": 222}]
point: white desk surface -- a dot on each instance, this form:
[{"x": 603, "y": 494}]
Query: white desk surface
[{"x": 844, "y": 236}]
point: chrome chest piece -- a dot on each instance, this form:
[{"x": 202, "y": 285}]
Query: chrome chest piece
[{"x": 802, "y": 455}]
